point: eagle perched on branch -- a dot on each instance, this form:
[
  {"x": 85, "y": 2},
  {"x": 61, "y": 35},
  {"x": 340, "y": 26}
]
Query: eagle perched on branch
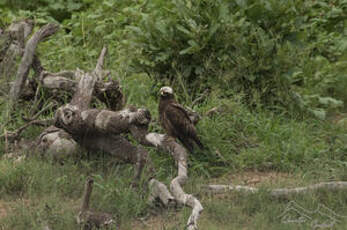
[{"x": 175, "y": 119}]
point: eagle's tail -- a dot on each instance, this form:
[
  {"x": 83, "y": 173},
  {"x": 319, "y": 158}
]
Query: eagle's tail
[
  {"x": 196, "y": 139},
  {"x": 198, "y": 142},
  {"x": 187, "y": 144}
]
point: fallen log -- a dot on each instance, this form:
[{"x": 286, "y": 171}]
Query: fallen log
[
  {"x": 56, "y": 144},
  {"x": 109, "y": 92},
  {"x": 280, "y": 192},
  {"x": 100, "y": 130}
]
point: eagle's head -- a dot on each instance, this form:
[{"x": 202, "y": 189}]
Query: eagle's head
[{"x": 166, "y": 92}]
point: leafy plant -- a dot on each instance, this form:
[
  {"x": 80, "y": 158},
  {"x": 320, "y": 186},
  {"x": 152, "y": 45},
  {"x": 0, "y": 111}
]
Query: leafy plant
[{"x": 261, "y": 48}]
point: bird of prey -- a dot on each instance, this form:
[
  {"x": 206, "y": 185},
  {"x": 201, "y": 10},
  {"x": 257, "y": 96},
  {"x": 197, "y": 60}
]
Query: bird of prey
[{"x": 175, "y": 119}]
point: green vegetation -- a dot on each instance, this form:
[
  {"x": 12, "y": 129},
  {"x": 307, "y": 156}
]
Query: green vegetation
[{"x": 275, "y": 68}]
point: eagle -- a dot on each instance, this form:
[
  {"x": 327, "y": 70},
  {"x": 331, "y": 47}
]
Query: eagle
[{"x": 175, "y": 119}]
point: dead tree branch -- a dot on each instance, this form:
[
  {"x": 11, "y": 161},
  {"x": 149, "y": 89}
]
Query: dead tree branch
[
  {"x": 11, "y": 49},
  {"x": 281, "y": 192},
  {"x": 100, "y": 130},
  {"x": 56, "y": 143},
  {"x": 28, "y": 57},
  {"x": 160, "y": 191},
  {"x": 14, "y": 135},
  {"x": 14, "y": 36},
  {"x": 168, "y": 144}
]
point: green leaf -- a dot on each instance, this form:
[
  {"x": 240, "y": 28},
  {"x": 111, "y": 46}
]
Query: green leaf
[
  {"x": 186, "y": 51},
  {"x": 212, "y": 30},
  {"x": 184, "y": 30},
  {"x": 109, "y": 3},
  {"x": 329, "y": 101},
  {"x": 318, "y": 113}
]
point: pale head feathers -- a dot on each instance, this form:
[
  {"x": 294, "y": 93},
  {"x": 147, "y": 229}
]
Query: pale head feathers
[{"x": 166, "y": 90}]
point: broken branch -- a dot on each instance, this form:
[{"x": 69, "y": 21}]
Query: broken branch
[
  {"x": 28, "y": 57},
  {"x": 168, "y": 144},
  {"x": 281, "y": 192}
]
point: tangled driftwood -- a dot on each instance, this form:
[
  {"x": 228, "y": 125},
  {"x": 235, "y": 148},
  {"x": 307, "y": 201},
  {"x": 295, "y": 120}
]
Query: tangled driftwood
[
  {"x": 168, "y": 144},
  {"x": 101, "y": 129},
  {"x": 280, "y": 192},
  {"x": 179, "y": 153}
]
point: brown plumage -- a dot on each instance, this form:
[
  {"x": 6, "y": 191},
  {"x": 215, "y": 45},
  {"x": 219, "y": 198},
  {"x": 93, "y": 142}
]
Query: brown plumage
[{"x": 174, "y": 118}]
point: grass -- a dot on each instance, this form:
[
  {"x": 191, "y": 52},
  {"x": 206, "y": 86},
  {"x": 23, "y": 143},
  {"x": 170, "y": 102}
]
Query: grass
[
  {"x": 254, "y": 148},
  {"x": 242, "y": 146},
  {"x": 38, "y": 201}
]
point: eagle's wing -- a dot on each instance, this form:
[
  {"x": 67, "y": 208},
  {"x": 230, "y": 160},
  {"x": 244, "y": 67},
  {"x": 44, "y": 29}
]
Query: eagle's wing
[
  {"x": 178, "y": 124},
  {"x": 189, "y": 128},
  {"x": 179, "y": 120}
]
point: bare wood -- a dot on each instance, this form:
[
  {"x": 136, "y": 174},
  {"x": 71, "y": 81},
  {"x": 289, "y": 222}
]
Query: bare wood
[
  {"x": 85, "y": 89},
  {"x": 281, "y": 192},
  {"x": 100, "y": 64},
  {"x": 109, "y": 92},
  {"x": 12, "y": 48},
  {"x": 61, "y": 80},
  {"x": 15, "y": 134},
  {"x": 16, "y": 33},
  {"x": 159, "y": 190},
  {"x": 12, "y": 45},
  {"x": 89, "y": 219},
  {"x": 55, "y": 143},
  {"x": 99, "y": 130},
  {"x": 83, "y": 95},
  {"x": 21, "y": 29},
  {"x": 86, "y": 195},
  {"x": 46, "y": 227},
  {"x": 28, "y": 57},
  {"x": 168, "y": 144}
]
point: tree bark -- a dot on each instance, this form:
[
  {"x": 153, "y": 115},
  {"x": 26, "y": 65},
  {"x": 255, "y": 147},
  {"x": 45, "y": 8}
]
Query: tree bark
[
  {"x": 100, "y": 130},
  {"x": 11, "y": 49},
  {"x": 27, "y": 59}
]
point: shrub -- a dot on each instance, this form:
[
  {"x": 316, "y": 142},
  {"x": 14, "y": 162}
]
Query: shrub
[{"x": 261, "y": 48}]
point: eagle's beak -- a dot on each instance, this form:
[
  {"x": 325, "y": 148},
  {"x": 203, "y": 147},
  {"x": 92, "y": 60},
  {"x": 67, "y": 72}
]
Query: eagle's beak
[{"x": 162, "y": 92}]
